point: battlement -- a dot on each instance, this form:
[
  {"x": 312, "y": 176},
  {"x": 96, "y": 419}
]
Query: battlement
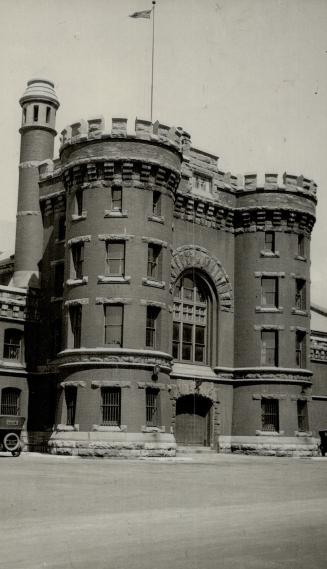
[{"x": 94, "y": 128}]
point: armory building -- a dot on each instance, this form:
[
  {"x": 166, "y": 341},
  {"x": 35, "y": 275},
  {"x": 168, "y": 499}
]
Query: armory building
[{"x": 154, "y": 300}]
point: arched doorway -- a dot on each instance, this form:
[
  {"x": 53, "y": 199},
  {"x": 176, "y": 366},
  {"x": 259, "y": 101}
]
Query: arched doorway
[{"x": 193, "y": 420}]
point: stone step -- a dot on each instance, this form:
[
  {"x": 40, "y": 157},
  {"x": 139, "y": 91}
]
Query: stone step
[{"x": 193, "y": 449}]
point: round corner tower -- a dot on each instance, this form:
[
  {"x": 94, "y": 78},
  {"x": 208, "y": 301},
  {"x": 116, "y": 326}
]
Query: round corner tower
[{"x": 39, "y": 106}]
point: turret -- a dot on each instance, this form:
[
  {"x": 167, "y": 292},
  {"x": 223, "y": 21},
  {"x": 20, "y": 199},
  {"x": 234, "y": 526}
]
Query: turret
[{"x": 39, "y": 105}]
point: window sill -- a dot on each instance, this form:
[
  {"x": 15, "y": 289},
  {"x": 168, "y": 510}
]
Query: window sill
[
  {"x": 110, "y": 428},
  {"x": 156, "y": 218},
  {"x": 153, "y": 429},
  {"x": 112, "y": 280},
  {"x": 300, "y": 258},
  {"x": 56, "y": 299},
  {"x": 76, "y": 217},
  {"x": 270, "y": 433},
  {"x": 59, "y": 241},
  {"x": 67, "y": 428},
  {"x": 299, "y": 312},
  {"x": 302, "y": 433},
  {"x": 154, "y": 283},
  {"x": 113, "y": 213},
  {"x": 269, "y": 309},
  {"x": 272, "y": 254},
  {"x": 77, "y": 282}
]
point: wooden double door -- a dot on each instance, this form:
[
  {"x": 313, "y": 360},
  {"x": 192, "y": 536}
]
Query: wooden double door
[{"x": 193, "y": 420}]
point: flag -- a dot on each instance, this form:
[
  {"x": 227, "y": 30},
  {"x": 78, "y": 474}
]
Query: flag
[{"x": 143, "y": 14}]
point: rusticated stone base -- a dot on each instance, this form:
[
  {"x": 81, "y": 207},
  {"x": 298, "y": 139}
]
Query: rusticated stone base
[
  {"x": 112, "y": 444},
  {"x": 270, "y": 445}
]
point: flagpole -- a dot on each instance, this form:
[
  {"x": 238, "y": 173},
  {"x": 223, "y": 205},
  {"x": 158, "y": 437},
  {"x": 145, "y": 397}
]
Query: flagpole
[{"x": 154, "y": 4}]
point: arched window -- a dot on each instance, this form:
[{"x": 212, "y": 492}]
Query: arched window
[
  {"x": 191, "y": 318},
  {"x": 10, "y": 397},
  {"x": 12, "y": 347}
]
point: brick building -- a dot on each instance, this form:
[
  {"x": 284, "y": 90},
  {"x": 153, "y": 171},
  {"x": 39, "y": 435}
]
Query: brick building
[{"x": 154, "y": 300}]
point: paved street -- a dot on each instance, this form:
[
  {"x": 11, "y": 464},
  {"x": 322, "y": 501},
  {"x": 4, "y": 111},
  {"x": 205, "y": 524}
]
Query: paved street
[{"x": 197, "y": 512}]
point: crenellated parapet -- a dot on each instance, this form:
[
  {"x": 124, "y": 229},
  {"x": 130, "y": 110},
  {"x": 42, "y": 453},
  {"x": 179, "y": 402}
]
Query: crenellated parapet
[{"x": 95, "y": 128}]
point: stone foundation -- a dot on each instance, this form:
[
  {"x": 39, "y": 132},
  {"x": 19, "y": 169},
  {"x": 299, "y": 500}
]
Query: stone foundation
[
  {"x": 107, "y": 444},
  {"x": 270, "y": 445}
]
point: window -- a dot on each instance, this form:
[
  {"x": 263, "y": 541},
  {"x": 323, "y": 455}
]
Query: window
[
  {"x": 115, "y": 258},
  {"x": 269, "y": 414},
  {"x": 270, "y": 241},
  {"x": 302, "y": 416},
  {"x": 12, "y": 348},
  {"x": 113, "y": 315},
  {"x": 201, "y": 184},
  {"x": 116, "y": 198},
  {"x": 269, "y": 348},
  {"x": 47, "y": 114},
  {"x": 300, "y": 294},
  {"x": 154, "y": 261},
  {"x": 269, "y": 292},
  {"x": 300, "y": 245},
  {"x": 152, "y": 396},
  {"x": 57, "y": 336},
  {"x": 190, "y": 320},
  {"x": 300, "y": 348},
  {"x": 78, "y": 203},
  {"x": 78, "y": 259},
  {"x": 75, "y": 313},
  {"x": 61, "y": 228},
  {"x": 35, "y": 113},
  {"x": 152, "y": 314},
  {"x": 10, "y": 400},
  {"x": 110, "y": 406},
  {"x": 70, "y": 396},
  {"x": 59, "y": 270},
  {"x": 156, "y": 203}
]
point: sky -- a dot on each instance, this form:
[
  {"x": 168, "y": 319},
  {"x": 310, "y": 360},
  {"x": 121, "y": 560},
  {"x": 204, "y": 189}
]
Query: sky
[{"x": 246, "y": 78}]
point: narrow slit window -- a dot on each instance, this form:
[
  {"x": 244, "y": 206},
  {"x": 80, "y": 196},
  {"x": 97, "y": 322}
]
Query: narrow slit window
[
  {"x": 35, "y": 113},
  {"x": 270, "y": 241},
  {"x": 156, "y": 203},
  {"x": 47, "y": 115},
  {"x": 116, "y": 198}
]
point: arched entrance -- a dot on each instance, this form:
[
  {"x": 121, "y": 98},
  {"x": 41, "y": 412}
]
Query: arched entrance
[{"x": 193, "y": 420}]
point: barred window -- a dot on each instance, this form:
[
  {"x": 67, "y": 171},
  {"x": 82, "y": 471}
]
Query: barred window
[
  {"x": 302, "y": 416},
  {"x": 71, "y": 396},
  {"x": 156, "y": 203},
  {"x": 75, "y": 313},
  {"x": 77, "y": 251},
  {"x": 190, "y": 320},
  {"x": 152, "y": 396},
  {"x": 154, "y": 261},
  {"x": 113, "y": 317},
  {"x": 269, "y": 347},
  {"x": 12, "y": 348},
  {"x": 10, "y": 401},
  {"x": 115, "y": 258},
  {"x": 152, "y": 317},
  {"x": 116, "y": 198},
  {"x": 269, "y": 292},
  {"x": 110, "y": 406},
  {"x": 270, "y": 414},
  {"x": 270, "y": 241},
  {"x": 300, "y": 348},
  {"x": 300, "y": 294}
]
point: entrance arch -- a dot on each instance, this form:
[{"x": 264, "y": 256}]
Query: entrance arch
[{"x": 193, "y": 420}]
